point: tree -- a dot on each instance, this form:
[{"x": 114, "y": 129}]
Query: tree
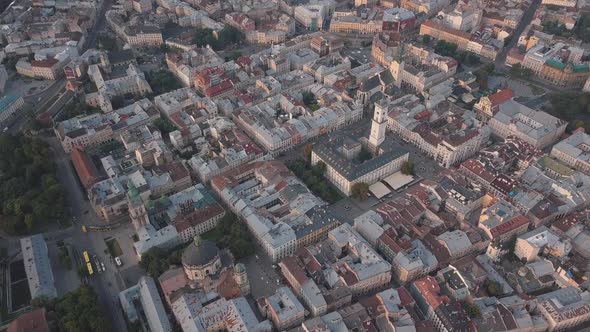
[
  {"x": 517, "y": 70},
  {"x": 360, "y": 191},
  {"x": 29, "y": 192},
  {"x": 493, "y": 287},
  {"x": 164, "y": 125},
  {"x": 446, "y": 49},
  {"x": 307, "y": 149},
  {"x": 226, "y": 37},
  {"x": 106, "y": 42},
  {"x": 321, "y": 167},
  {"x": 154, "y": 261},
  {"x": 426, "y": 39},
  {"x": 230, "y": 233},
  {"x": 79, "y": 311},
  {"x": 162, "y": 81},
  {"x": 468, "y": 58},
  {"x": 472, "y": 310},
  {"x": 364, "y": 155},
  {"x": 29, "y": 222},
  {"x": 408, "y": 168}
]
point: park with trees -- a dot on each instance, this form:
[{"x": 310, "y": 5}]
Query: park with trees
[
  {"x": 226, "y": 37},
  {"x": 29, "y": 190},
  {"x": 78, "y": 310},
  {"x": 313, "y": 177},
  {"x": 573, "y": 107},
  {"x": 162, "y": 81}
]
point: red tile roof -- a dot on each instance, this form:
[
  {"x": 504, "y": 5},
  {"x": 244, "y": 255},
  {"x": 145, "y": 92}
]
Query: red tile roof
[
  {"x": 84, "y": 167},
  {"x": 291, "y": 264},
  {"x": 510, "y": 225},
  {"x": 477, "y": 168},
  {"x": 34, "y": 321},
  {"x": 47, "y": 63},
  {"x": 172, "y": 280},
  {"x": 185, "y": 221},
  {"x": 501, "y": 96},
  {"x": 430, "y": 291}
]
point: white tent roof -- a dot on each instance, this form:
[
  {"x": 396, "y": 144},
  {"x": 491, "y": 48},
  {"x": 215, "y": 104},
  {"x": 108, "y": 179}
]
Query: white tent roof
[
  {"x": 398, "y": 180},
  {"x": 379, "y": 189}
]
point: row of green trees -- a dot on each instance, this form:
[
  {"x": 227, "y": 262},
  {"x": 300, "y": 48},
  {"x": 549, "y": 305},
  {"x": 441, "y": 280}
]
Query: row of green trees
[
  {"x": 313, "y": 177},
  {"x": 445, "y": 48},
  {"x": 517, "y": 70},
  {"x": 29, "y": 190}
]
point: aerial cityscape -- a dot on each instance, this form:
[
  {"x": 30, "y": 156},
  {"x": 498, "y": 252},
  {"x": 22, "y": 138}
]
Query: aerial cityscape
[{"x": 294, "y": 165}]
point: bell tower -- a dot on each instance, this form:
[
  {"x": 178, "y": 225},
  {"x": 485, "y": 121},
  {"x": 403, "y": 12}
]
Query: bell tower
[{"x": 378, "y": 126}]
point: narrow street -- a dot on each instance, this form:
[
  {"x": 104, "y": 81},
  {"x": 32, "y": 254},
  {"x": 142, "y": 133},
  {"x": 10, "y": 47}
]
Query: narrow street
[{"x": 526, "y": 19}]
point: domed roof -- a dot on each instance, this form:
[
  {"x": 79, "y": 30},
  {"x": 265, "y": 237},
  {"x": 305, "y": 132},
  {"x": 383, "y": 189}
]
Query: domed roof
[{"x": 199, "y": 253}]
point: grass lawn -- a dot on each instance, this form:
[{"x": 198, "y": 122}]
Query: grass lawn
[{"x": 114, "y": 247}]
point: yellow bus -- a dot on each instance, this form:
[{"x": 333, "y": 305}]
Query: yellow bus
[
  {"x": 86, "y": 258},
  {"x": 90, "y": 272}
]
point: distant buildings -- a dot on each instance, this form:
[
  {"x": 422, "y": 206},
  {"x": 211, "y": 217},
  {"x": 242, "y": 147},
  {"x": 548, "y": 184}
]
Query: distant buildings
[
  {"x": 564, "y": 308},
  {"x": 561, "y": 3},
  {"x": 137, "y": 34},
  {"x": 448, "y": 142},
  {"x": 92, "y": 130},
  {"x": 311, "y": 16},
  {"x": 340, "y": 155},
  {"x": 488, "y": 106},
  {"x": 132, "y": 82},
  {"x": 220, "y": 314},
  {"x": 192, "y": 211},
  {"x": 283, "y": 308},
  {"x": 328, "y": 275},
  {"x": 49, "y": 68},
  {"x": 38, "y": 267},
  {"x": 385, "y": 48},
  {"x": 502, "y": 221},
  {"x": 9, "y": 105},
  {"x": 528, "y": 246},
  {"x": 574, "y": 151},
  {"x": 421, "y": 71},
  {"x": 283, "y": 215},
  {"x": 446, "y": 314},
  {"x": 281, "y": 122},
  {"x": 465, "y": 41},
  {"x": 534, "y": 127},
  {"x": 145, "y": 293},
  {"x": 212, "y": 270},
  {"x": 428, "y": 7}
]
